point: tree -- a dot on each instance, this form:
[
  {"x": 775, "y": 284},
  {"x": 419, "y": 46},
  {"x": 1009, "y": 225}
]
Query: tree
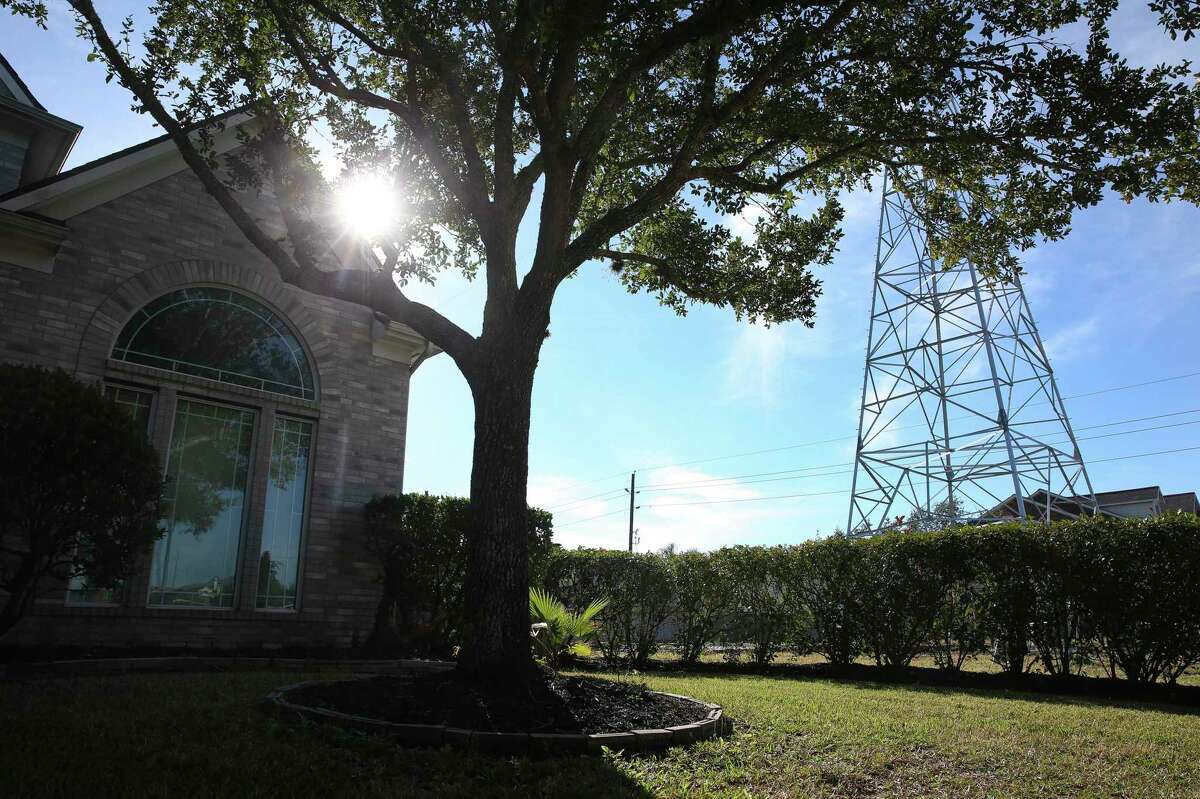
[
  {"x": 946, "y": 513},
  {"x": 639, "y": 121},
  {"x": 79, "y": 486}
]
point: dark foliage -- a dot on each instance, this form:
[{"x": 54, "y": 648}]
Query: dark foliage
[
  {"x": 420, "y": 543},
  {"x": 1141, "y": 594},
  {"x": 79, "y": 486}
]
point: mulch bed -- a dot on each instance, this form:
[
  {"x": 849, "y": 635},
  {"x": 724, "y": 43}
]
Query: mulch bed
[{"x": 546, "y": 703}]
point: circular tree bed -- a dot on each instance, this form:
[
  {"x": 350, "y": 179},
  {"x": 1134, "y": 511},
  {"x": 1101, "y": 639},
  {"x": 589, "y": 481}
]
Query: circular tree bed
[{"x": 550, "y": 714}]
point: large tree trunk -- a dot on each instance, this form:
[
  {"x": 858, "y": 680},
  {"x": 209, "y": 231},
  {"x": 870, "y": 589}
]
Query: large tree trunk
[
  {"x": 21, "y": 588},
  {"x": 496, "y": 638}
]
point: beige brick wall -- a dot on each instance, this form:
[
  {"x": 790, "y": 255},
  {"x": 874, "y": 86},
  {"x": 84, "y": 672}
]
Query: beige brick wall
[{"x": 120, "y": 256}]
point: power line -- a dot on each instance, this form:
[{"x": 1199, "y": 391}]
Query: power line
[
  {"x": 843, "y": 491},
  {"x": 748, "y": 499},
  {"x": 739, "y": 479},
  {"x": 844, "y": 438},
  {"x": 1132, "y": 385},
  {"x": 688, "y": 483},
  {"x": 750, "y": 453},
  {"x": 736, "y": 483},
  {"x": 588, "y": 519},
  {"x": 1128, "y": 432},
  {"x": 1140, "y": 419},
  {"x": 1146, "y": 454},
  {"x": 585, "y": 499}
]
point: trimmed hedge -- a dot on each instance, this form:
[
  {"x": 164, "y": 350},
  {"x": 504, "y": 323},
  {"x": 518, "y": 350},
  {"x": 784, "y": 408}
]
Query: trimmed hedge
[
  {"x": 1123, "y": 592},
  {"x": 419, "y": 542}
]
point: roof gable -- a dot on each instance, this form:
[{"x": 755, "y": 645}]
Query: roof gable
[
  {"x": 89, "y": 185},
  {"x": 13, "y": 87}
]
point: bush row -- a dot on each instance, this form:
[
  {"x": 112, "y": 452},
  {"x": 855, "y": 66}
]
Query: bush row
[
  {"x": 1121, "y": 592},
  {"x": 419, "y": 541}
]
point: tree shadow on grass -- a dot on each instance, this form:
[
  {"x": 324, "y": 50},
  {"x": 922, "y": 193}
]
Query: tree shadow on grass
[
  {"x": 448, "y": 772},
  {"x": 204, "y": 735},
  {"x": 1074, "y": 689}
]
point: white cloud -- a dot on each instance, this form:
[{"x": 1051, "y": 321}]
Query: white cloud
[
  {"x": 742, "y": 224},
  {"x": 752, "y": 368},
  {"x": 1073, "y": 341},
  {"x": 687, "y": 507},
  {"x": 1038, "y": 284}
]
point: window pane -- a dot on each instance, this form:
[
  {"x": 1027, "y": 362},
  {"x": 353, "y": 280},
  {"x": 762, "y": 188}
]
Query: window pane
[
  {"x": 279, "y": 563},
  {"x": 137, "y": 404},
  {"x": 221, "y": 335},
  {"x": 81, "y": 592},
  {"x": 208, "y": 466}
]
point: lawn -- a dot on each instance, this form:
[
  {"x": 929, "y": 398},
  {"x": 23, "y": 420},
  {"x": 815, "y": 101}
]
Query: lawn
[{"x": 184, "y": 735}]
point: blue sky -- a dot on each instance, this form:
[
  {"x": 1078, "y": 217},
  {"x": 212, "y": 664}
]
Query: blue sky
[{"x": 625, "y": 384}]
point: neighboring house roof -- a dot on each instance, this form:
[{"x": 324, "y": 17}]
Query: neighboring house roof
[
  {"x": 1186, "y": 502},
  {"x": 44, "y": 140},
  {"x": 1061, "y": 507},
  {"x": 14, "y": 87},
  {"x": 1129, "y": 495}
]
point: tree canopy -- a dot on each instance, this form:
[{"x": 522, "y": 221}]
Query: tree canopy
[{"x": 631, "y": 118}]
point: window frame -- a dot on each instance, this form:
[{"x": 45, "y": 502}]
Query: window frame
[
  {"x": 167, "y": 389},
  {"x": 305, "y": 519},
  {"x": 309, "y": 361},
  {"x": 246, "y": 530}
]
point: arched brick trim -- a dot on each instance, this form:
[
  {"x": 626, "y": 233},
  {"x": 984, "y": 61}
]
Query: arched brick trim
[{"x": 111, "y": 315}]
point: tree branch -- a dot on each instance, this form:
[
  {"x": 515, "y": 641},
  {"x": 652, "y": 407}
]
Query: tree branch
[
  {"x": 298, "y": 269},
  {"x": 662, "y": 268}
]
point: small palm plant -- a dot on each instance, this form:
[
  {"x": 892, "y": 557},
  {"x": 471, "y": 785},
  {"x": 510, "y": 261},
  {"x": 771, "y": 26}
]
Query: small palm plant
[{"x": 555, "y": 630}]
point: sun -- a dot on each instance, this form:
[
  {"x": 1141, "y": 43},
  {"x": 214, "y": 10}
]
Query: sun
[{"x": 367, "y": 204}]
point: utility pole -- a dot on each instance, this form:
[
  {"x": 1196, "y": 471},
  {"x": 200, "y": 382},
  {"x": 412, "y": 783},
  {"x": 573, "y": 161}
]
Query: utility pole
[{"x": 632, "y": 494}]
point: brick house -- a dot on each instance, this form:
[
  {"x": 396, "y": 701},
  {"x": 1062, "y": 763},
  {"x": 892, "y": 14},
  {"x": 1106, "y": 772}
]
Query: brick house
[{"x": 282, "y": 410}]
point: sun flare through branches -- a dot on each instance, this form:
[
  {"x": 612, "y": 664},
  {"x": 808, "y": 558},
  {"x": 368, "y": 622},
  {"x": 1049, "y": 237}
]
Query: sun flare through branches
[{"x": 367, "y": 204}]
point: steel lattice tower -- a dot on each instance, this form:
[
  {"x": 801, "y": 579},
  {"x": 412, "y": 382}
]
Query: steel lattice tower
[{"x": 959, "y": 401}]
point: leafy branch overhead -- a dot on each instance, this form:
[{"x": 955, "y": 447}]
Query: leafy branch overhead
[{"x": 626, "y": 121}]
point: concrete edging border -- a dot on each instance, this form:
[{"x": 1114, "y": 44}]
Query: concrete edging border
[
  {"x": 192, "y": 663},
  {"x": 715, "y": 724}
]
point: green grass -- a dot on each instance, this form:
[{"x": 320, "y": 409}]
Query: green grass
[{"x": 183, "y": 735}]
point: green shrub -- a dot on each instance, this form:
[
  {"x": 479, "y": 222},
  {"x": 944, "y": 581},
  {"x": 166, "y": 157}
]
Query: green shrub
[
  {"x": 1007, "y": 587},
  {"x": 419, "y": 541},
  {"x": 958, "y": 630},
  {"x": 901, "y": 588},
  {"x": 640, "y": 593},
  {"x": 703, "y": 597},
  {"x": 1142, "y": 594},
  {"x": 556, "y": 630},
  {"x": 1126, "y": 590},
  {"x": 79, "y": 487},
  {"x": 758, "y": 615},
  {"x": 823, "y": 582},
  {"x": 1061, "y": 570}
]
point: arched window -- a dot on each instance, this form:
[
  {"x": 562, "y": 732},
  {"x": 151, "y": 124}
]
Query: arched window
[{"x": 219, "y": 334}]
